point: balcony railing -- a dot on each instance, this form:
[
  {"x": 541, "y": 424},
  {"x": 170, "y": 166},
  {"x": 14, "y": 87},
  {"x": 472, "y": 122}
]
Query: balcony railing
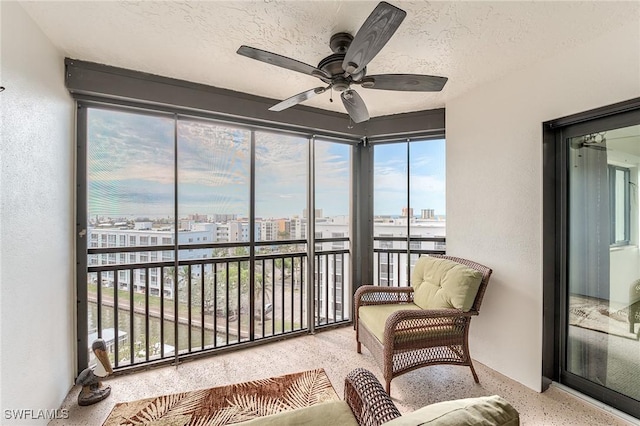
[
  {"x": 165, "y": 310},
  {"x": 393, "y": 261}
]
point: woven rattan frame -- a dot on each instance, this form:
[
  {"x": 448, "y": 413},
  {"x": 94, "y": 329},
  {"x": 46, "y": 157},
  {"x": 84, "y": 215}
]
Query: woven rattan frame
[
  {"x": 368, "y": 401},
  {"x": 398, "y": 354}
]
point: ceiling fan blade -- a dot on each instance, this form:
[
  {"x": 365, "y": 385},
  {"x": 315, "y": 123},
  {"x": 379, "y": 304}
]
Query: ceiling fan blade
[
  {"x": 296, "y": 99},
  {"x": 372, "y": 36},
  {"x": 404, "y": 82},
  {"x": 282, "y": 61},
  {"x": 355, "y": 106}
]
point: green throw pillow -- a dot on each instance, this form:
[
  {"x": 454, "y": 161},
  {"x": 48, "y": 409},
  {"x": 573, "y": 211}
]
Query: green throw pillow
[
  {"x": 444, "y": 284},
  {"x": 482, "y": 411}
]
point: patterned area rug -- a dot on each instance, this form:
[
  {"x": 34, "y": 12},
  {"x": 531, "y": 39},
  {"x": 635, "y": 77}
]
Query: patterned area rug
[
  {"x": 597, "y": 314},
  {"x": 227, "y": 404}
]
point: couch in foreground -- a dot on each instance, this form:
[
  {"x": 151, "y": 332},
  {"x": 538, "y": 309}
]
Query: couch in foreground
[{"x": 367, "y": 403}]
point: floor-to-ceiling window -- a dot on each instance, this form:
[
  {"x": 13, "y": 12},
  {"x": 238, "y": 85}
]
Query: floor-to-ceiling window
[
  {"x": 332, "y": 199},
  {"x": 281, "y": 198},
  {"x": 409, "y": 206},
  {"x": 197, "y": 233},
  {"x": 129, "y": 201},
  {"x": 598, "y": 261},
  {"x": 213, "y": 202}
]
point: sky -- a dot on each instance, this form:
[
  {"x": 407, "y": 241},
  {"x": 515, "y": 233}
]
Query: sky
[
  {"x": 131, "y": 170},
  {"x": 426, "y": 170}
]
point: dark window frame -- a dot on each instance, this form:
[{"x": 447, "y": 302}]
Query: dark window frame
[{"x": 613, "y": 203}]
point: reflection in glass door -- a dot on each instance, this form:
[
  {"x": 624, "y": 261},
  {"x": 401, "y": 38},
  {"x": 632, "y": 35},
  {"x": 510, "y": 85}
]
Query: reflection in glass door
[{"x": 602, "y": 350}]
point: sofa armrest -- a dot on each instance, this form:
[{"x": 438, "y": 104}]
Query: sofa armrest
[
  {"x": 370, "y": 404},
  {"x": 376, "y": 295}
]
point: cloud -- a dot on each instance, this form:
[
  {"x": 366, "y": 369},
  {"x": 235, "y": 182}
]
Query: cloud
[
  {"x": 426, "y": 181},
  {"x": 131, "y": 159},
  {"x": 333, "y": 165},
  {"x": 124, "y": 146},
  {"x": 281, "y": 160}
]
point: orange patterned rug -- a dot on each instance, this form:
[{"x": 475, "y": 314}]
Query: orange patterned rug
[{"x": 228, "y": 404}]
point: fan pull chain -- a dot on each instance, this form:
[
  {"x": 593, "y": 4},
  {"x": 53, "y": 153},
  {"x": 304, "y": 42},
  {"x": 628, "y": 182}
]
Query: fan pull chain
[{"x": 331, "y": 95}]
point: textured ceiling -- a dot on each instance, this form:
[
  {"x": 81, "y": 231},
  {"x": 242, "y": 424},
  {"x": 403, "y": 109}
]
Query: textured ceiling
[{"x": 468, "y": 42}]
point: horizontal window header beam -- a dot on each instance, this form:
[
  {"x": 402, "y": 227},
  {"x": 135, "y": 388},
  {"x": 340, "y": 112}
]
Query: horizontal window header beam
[
  {"x": 606, "y": 111},
  {"x": 89, "y": 80}
]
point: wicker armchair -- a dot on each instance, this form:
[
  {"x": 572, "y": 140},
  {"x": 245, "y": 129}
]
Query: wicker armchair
[{"x": 415, "y": 338}]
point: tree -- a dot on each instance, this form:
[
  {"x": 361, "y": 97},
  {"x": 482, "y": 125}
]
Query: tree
[
  {"x": 229, "y": 279},
  {"x": 229, "y": 283},
  {"x": 169, "y": 279},
  {"x": 183, "y": 279}
]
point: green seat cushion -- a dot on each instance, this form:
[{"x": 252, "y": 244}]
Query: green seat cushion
[
  {"x": 374, "y": 317},
  {"x": 483, "y": 411},
  {"x": 327, "y": 413},
  {"x": 444, "y": 284}
]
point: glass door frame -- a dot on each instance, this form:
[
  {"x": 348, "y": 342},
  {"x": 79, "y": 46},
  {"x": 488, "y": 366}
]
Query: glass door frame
[{"x": 556, "y": 134}]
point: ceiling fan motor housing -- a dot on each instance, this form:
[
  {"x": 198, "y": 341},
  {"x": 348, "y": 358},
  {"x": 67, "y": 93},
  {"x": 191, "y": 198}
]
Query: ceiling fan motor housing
[
  {"x": 340, "y": 42},
  {"x": 332, "y": 65},
  {"x": 340, "y": 84}
]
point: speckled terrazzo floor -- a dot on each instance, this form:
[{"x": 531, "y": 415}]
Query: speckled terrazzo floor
[{"x": 334, "y": 351}]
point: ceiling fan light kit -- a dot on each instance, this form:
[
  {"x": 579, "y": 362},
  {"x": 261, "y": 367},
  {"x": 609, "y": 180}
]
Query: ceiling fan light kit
[{"x": 347, "y": 65}]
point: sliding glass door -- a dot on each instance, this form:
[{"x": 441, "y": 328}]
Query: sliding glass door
[{"x": 601, "y": 298}]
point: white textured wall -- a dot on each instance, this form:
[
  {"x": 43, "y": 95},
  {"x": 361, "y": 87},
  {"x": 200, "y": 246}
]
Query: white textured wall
[
  {"x": 494, "y": 185},
  {"x": 36, "y": 220}
]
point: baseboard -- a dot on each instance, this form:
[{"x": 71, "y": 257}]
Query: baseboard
[{"x": 623, "y": 416}]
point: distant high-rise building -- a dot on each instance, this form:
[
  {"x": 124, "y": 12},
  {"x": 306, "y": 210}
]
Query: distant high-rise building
[
  {"x": 427, "y": 214},
  {"x": 297, "y": 228},
  {"x": 268, "y": 230},
  {"x": 197, "y": 217},
  {"x": 318, "y": 213},
  {"x": 239, "y": 231},
  {"x": 223, "y": 218},
  {"x": 407, "y": 212}
]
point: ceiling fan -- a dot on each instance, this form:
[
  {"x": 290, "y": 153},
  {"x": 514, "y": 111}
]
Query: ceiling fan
[{"x": 348, "y": 65}]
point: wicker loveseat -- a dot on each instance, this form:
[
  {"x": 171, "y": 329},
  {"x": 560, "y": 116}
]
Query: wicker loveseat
[
  {"x": 367, "y": 404},
  {"x": 425, "y": 324}
]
